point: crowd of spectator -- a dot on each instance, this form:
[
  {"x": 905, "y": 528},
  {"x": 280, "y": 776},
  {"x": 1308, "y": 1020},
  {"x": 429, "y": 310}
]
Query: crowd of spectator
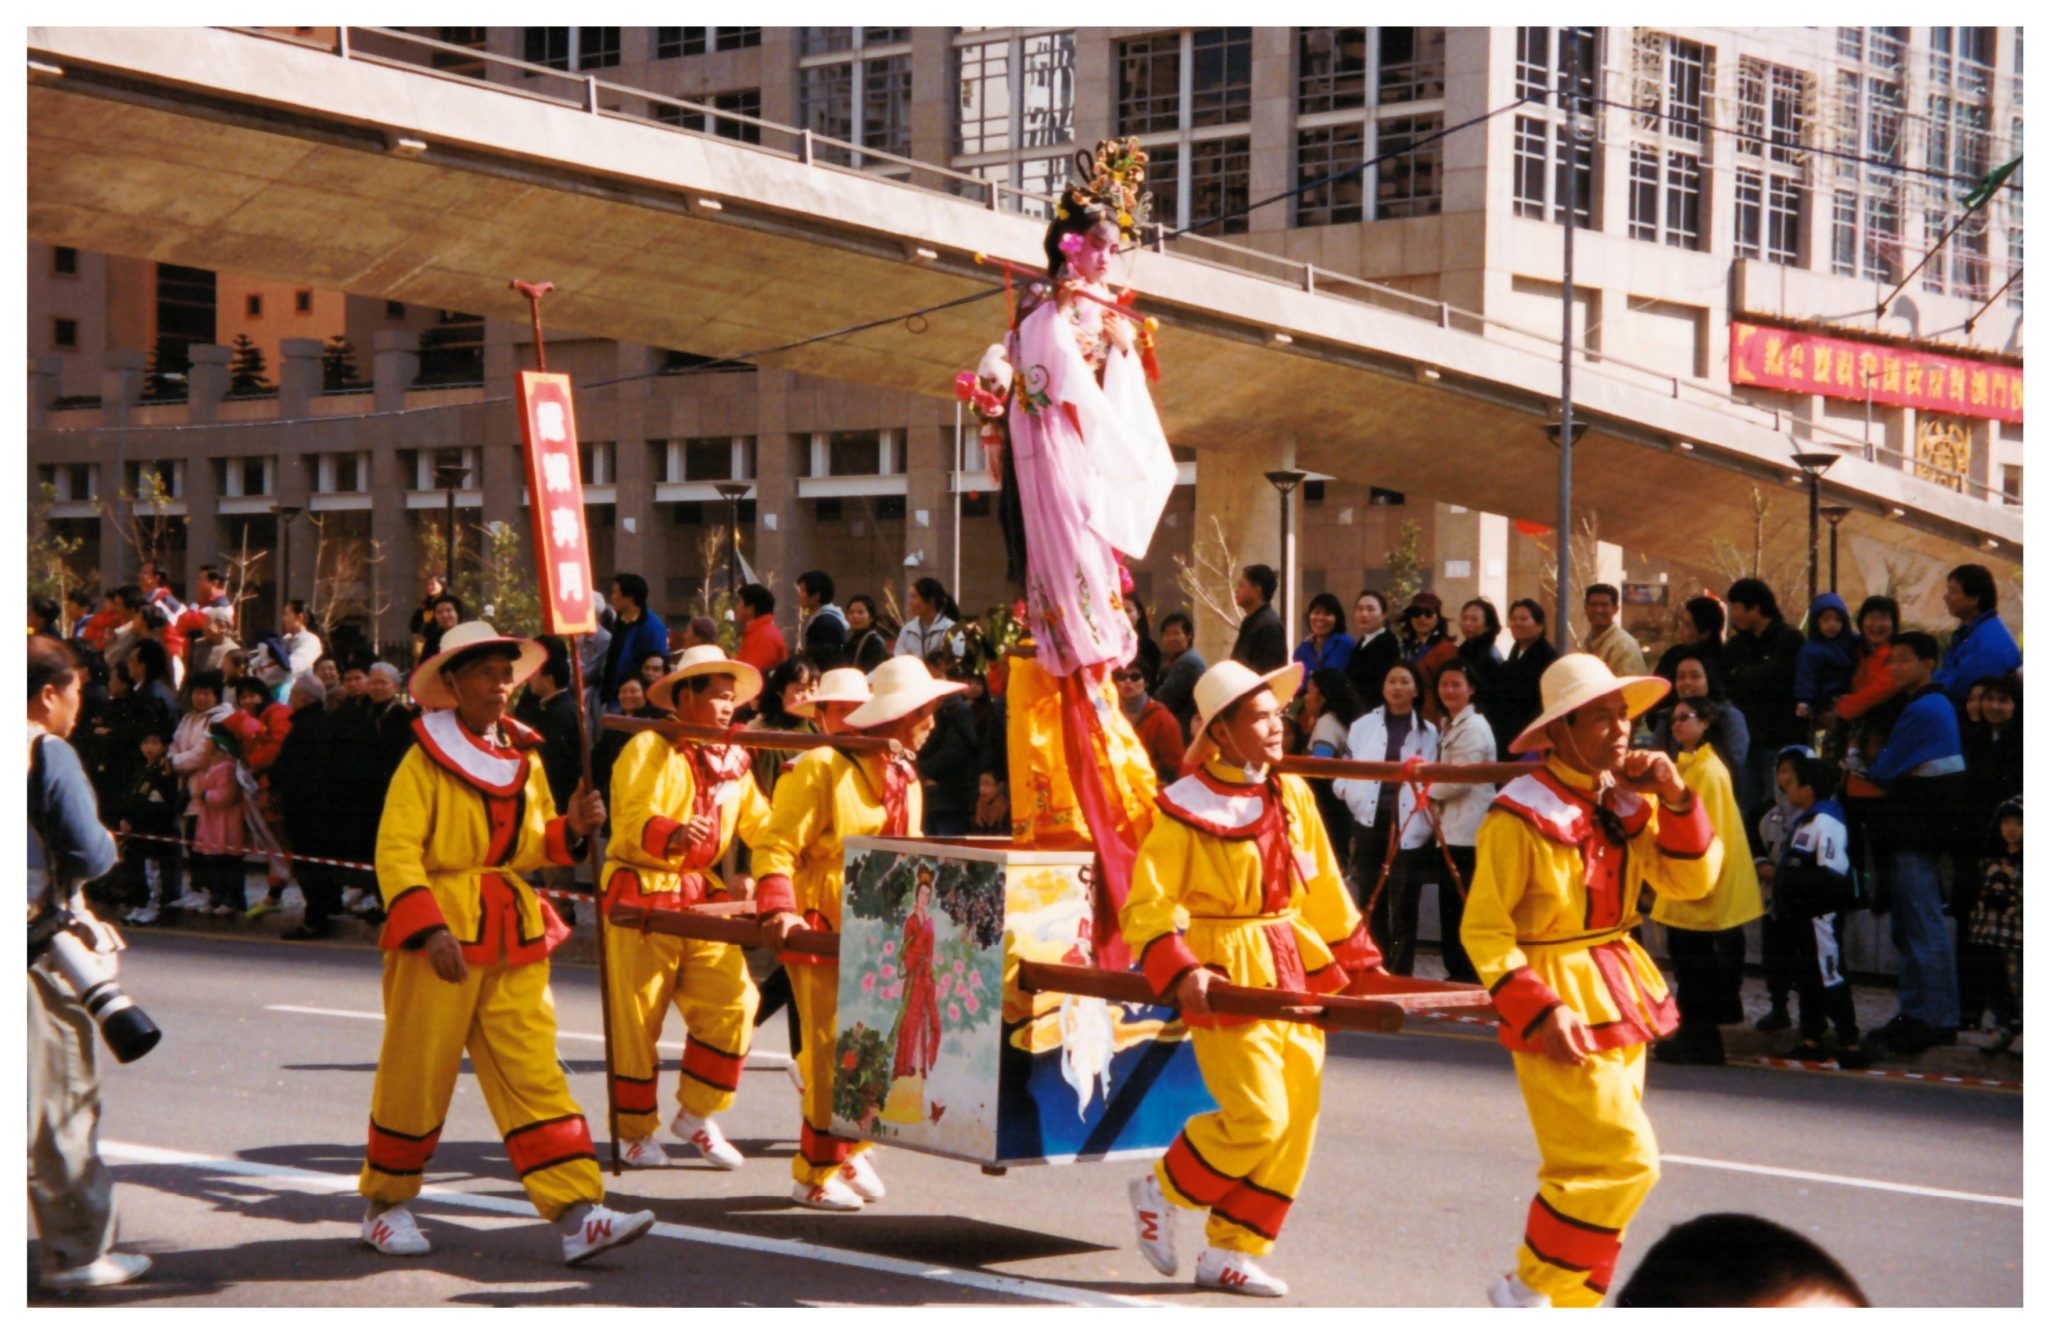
[{"x": 215, "y": 744}]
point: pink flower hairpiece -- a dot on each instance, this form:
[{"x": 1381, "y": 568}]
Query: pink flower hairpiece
[{"x": 1071, "y": 243}]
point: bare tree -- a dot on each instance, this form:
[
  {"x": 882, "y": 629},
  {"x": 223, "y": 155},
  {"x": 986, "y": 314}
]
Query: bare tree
[
  {"x": 1208, "y": 575},
  {"x": 52, "y": 556},
  {"x": 149, "y": 538}
]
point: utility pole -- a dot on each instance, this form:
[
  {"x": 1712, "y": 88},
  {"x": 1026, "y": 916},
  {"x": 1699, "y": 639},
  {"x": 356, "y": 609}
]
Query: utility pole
[{"x": 1568, "y": 191}]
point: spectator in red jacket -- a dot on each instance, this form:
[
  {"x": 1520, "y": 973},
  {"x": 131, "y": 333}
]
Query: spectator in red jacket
[
  {"x": 1158, "y": 730},
  {"x": 761, "y": 643},
  {"x": 1876, "y": 621}
]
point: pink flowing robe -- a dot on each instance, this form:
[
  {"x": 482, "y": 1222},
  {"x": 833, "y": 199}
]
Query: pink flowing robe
[{"x": 1093, "y": 473}]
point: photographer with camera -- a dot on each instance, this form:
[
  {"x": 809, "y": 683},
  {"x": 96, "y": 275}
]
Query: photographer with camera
[{"x": 69, "y": 1187}]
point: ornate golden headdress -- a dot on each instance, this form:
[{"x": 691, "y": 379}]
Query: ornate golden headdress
[{"x": 1115, "y": 183}]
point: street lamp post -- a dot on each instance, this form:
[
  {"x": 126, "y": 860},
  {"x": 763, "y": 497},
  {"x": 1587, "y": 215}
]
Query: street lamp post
[
  {"x": 1567, "y": 435},
  {"x": 1813, "y": 465},
  {"x": 450, "y": 477},
  {"x": 1834, "y": 514},
  {"x": 734, "y": 492},
  {"x": 1284, "y": 481},
  {"x": 285, "y": 514}
]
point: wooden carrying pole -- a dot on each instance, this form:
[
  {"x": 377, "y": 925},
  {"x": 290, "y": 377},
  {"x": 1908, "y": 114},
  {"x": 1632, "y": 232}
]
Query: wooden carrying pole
[
  {"x": 727, "y": 923},
  {"x": 1303, "y": 766},
  {"x": 748, "y": 738},
  {"x": 533, "y": 292},
  {"x": 1384, "y": 1009}
]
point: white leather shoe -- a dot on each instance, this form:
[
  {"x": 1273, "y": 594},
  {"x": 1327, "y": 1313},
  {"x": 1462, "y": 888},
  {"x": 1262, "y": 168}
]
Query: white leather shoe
[
  {"x": 1508, "y": 1293},
  {"x": 394, "y": 1231},
  {"x": 709, "y": 1141},
  {"x": 1236, "y": 1272},
  {"x": 644, "y": 1154},
  {"x": 603, "y": 1230},
  {"x": 1158, "y": 1224},
  {"x": 861, "y": 1177},
  {"x": 109, "y": 1270},
  {"x": 834, "y": 1196}
]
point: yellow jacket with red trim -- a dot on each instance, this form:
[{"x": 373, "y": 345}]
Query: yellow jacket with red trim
[
  {"x": 822, "y": 800},
  {"x": 1225, "y": 880},
  {"x": 461, "y": 818},
  {"x": 1554, "y": 895},
  {"x": 655, "y": 792}
]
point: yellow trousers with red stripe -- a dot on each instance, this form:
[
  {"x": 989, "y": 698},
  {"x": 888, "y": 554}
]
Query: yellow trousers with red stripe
[
  {"x": 707, "y": 982},
  {"x": 504, "y": 1018},
  {"x": 1244, "y": 1161},
  {"x": 820, "y": 1153},
  {"x": 1599, "y": 1162}
]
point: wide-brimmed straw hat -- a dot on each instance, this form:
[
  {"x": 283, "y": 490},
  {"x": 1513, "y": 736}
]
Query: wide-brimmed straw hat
[
  {"x": 840, "y": 685},
  {"x": 464, "y": 641},
  {"x": 1577, "y": 679},
  {"x": 897, "y": 688},
  {"x": 706, "y": 659},
  {"x": 1225, "y": 683}
]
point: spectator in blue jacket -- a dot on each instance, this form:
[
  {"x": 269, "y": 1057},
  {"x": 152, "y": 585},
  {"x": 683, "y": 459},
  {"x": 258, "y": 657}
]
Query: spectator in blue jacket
[
  {"x": 1983, "y": 648},
  {"x": 637, "y": 634},
  {"x": 1920, "y": 769},
  {"x": 1827, "y": 664}
]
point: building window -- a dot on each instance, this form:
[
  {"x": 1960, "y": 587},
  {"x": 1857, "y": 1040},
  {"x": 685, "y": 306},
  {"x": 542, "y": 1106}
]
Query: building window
[
  {"x": 64, "y": 332},
  {"x": 459, "y": 62},
  {"x": 185, "y": 314},
  {"x": 1220, "y": 184},
  {"x": 1551, "y": 162},
  {"x": 342, "y": 474},
  {"x": 64, "y": 261},
  {"x": 1148, "y": 84},
  {"x": 1674, "y": 82},
  {"x": 2011, "y": 487},
  {"x": 1409, "y": 179},
  {"x": 1339, "y": 127},
  {"x": 547, "y": 46},
  {"x": 675, "y": 43},
  {"x": 1769, "y": 216},
  {"x": 1868, "y": 129},
  {"x": 861, "y": 73},
  {"x": 394, "y": 310},
  {"x": 597, "y": 48},
  {"x": 1199, "y": 143},
  {"x": 254, "y": 305},
  {"x": 1012, "y": 93},
  {"x": 1411, "y": 64},
  {"x": 1318, "y": 155},
  {"x": 1330, "y": 69},
  {"x": 1773, "y": 120},
  {"x": 733, "y": 39},
  {"x": 1222, "y": 89},
  {"x": 302, "y": 301},
  {"x": 1959, "y": 144}
]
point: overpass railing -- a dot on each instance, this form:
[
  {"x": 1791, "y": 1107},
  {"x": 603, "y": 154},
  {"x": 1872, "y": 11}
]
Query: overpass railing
[{"x": 586, "y": 92}]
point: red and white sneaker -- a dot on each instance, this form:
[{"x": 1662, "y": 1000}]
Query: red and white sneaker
[
  {"x": 603, "y": 1230},
  {"x": 860, "y": 1176},
  {"x": 711, "y": 1144},
  {"x": 1236, "y": 1272},
  {"x": 1508, "y": 1293},
  {"x": 834, "y": 1196},
  {"x": 394, "y": 1231},
  {"x": 644, "y": 1154},
  {"x": 1158, "y": 1224}
]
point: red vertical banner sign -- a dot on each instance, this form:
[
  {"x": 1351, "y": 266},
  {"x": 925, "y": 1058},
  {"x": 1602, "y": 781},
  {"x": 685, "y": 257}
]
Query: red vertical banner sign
[{"x": 554, "y": 490}]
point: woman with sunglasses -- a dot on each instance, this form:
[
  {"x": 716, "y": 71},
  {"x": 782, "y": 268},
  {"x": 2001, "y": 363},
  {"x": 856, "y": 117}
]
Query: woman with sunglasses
[{"x": 1705, "y": 935}]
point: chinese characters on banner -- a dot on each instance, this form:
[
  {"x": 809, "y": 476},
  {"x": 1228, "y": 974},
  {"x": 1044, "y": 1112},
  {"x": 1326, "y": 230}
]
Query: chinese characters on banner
[
  {"x": 1774, "y": 358},
  {"x": 554, "y": 488}
]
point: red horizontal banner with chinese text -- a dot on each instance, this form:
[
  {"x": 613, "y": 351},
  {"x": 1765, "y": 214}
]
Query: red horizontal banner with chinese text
[
  {"x": 1774, "y": 358},
  {"x": 554, "y": 491}
]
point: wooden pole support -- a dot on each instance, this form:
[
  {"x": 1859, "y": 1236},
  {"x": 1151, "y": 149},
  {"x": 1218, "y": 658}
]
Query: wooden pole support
[{"x": 727, "y": 923}]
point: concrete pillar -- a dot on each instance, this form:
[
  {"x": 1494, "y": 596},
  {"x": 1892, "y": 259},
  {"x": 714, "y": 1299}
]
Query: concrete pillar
[
  {"x": 202, "y": 516},
  {"x": 398, "y": 578},
  {"x": 121, "y": 381},
  {"x": 395, "y": 364},
  {"x": 206, "y": 381},
  {"x": 45, "y": 387},
  {"x": 928, "y": 507},
  {"x": 780, "y": 519},
  {"x": 298, "y": 375},
  {"x": 1231, "y": 489}
]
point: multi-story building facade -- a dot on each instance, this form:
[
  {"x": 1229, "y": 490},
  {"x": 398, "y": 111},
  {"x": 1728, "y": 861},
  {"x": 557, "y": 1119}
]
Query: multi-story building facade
[{"x": 1729, "y": 187}]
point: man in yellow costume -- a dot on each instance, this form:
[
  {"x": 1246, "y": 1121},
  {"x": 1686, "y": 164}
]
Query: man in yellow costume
[
  {"x": 677, "y": 807},
  {"x": 822, "y": 800},
  {"x": 466, "y": 944},
  {"x": 1241, "y": 853},
  {"x": 1562, "y": 858}
]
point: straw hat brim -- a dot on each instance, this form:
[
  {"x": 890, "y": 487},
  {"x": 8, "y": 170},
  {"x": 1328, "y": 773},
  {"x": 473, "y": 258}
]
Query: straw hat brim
[
  {"x": 1639, "y": 693},
  {"x": 901, "y": 701},
  {"x": 1284, "y": 683},
  {"x": 829, "y": 694},
  {"x": 429, "y": 690},
  {"x": 746, "y": 682}
]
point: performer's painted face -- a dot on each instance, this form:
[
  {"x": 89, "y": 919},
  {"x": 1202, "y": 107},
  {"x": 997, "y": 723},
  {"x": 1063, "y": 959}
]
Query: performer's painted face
[
  {"x": 1091, "y": 261},
  {"x": 1255, "y": 733}
]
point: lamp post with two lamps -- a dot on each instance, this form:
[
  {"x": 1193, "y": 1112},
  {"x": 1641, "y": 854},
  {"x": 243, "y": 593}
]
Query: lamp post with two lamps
[
  {"x": 1284, "y": 481},
  {"x": 450, "y": 477},
  {"x": 734, "y": 492},
  {"x": 1813, "y": 465},
  {"x": 1834, "y": 514}
]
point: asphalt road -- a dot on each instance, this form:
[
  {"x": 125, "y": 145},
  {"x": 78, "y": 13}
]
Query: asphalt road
[{"x": 237, "y": 1141}]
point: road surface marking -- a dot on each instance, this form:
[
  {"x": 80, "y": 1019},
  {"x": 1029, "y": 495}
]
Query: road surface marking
[
  {"x": 1926, "y": 1191},
  {"x": 757, "y": 1053},
  {"x": 324, "y": 1182}
]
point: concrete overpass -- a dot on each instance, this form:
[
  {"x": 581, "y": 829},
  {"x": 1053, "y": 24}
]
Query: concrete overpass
[{"x": 354, "y": 166}]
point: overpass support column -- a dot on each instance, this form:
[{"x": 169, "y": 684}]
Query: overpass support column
[
  {"x": 1231, "y": 490},
  {"x": 121, "y": 381},
  {"x": 397, "y": 578}
]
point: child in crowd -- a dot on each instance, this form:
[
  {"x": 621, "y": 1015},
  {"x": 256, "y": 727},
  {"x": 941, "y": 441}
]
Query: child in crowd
[
  {"x": 151, "y": 868},
  {"x": 1733, "y": 1259},
  {"x": 217, "y": 867},
  {"x": 1812, "y": 883},
  {"x": 1826, "y": 666},
  {"x": 1994, "y": 924}
]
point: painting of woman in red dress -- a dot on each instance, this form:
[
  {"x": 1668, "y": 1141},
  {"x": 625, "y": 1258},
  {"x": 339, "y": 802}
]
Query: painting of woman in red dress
[{"x": 917, "y": 1026}]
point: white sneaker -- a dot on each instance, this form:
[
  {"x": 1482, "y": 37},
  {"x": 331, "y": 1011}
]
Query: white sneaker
[
  {"x": 644, "y": 1154},
  {"x": 351, "y": 898},
  {"x": 143, "y": 916},
  {"x": 1236, "y": 1272},
  {"x": 861, "y": 1177},
  {"x": 603, "y": 1230},
  {"x": 394, "y": 1231},
  {"x": 709, "y": 1141},
  {"x": 834, "y": 1196},
  {"x": 1508, "y": 1293},
  {"x": 194, "y": 901},
  {"x": 293, "y": 899},
  {"x": 1158, "y": 1224},
  {"x": 222, "y": 909},
  {"x": 109, "y": 1270}
]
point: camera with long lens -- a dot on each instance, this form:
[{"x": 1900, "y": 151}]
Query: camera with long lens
[{"x": 81, "y": 949}]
